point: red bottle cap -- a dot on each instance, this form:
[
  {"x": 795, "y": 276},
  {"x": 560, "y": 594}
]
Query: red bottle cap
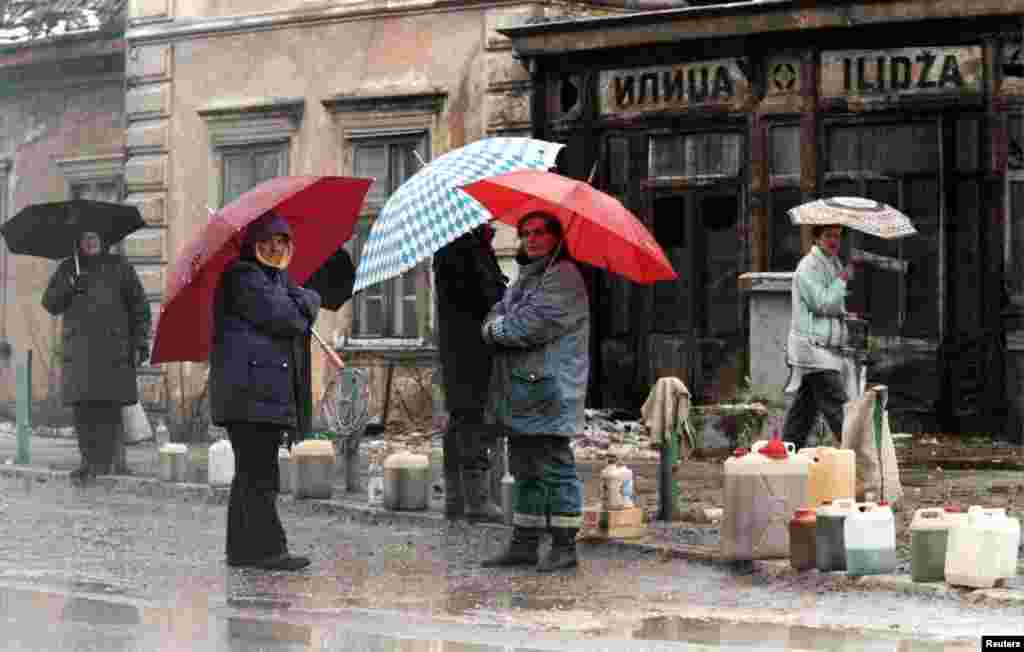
[
  {"x": 775, "y": 449},
  {"x": 740, "y": 452}
]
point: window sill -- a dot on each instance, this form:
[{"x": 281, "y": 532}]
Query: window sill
[{"x": 388, "y": 347}]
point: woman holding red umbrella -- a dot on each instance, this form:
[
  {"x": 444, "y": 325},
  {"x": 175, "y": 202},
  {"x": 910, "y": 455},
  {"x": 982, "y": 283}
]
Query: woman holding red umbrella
[{"x": 260, "y": 315}]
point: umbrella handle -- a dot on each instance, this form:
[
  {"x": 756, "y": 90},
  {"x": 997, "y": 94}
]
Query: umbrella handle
[
  {"x": 332, "y": 355},
  {"x": 78, "y": 270}
]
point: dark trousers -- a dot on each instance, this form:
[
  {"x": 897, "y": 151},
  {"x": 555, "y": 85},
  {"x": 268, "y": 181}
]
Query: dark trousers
[
  {"x": 254, "y": 528},
  {"x": 100, "y": 430},
  {"x": 821, "y": 391},
  {"x": 548, "y": 492}
]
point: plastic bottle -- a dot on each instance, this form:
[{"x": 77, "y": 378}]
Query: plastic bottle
[
  {"x": 830, "y": 546},
  {"x": 163, "y": 435},
  {"x": 220, "y": 463},
  {"x": 285, "y": 470},
  {"x": 616, "y": 486},
  {"x": 929, "y": 535},
  {"x": 375, "y": 486}
]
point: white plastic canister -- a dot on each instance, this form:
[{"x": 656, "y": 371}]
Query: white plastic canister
[
  {"x": 437, "y": 488},
  {"x": 616, "y": 486},
  {"x": 762, "y": 490},
  {"x": 1008, "y": 530},
  {"x": 974, "y": 551},
  {"x": 831, "y": 474},
  {"x": 220, "y": 463},
  {"x": 173, "y": 462},
  {"x": 869, "y": 534},
  {"x": 285, "y": 470}
]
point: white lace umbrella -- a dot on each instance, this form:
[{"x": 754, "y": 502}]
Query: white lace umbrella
[{"x": 864, "y": 215}]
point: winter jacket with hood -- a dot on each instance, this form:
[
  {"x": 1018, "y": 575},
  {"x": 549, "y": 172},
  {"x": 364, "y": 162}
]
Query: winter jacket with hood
[
  {"x": 541, "y": 328},
  {"x": 261, "y": 320}
]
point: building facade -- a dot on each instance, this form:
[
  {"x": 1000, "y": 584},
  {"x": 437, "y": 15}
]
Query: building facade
[{"x": 711, "y": 122}]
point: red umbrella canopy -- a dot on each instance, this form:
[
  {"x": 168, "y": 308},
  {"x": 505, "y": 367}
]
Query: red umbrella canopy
[
  {"x": 322, "y": 213},
  {"x": 599, "y": 230}
]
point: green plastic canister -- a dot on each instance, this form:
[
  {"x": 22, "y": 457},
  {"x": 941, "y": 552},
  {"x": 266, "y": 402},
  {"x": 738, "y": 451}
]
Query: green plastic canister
[{"x": 929, "y": 534}]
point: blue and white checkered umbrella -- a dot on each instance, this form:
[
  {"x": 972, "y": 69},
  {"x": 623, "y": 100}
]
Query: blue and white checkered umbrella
[{"x": 428, "y": 211}]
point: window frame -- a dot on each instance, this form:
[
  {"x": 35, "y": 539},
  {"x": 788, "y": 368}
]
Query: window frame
[{"x": 393, "y": 297}]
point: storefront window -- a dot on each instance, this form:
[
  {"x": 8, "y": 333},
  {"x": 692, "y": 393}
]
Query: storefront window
[
  {"x": 696, "y": 155},
  {"x": 897, "y": 164}
]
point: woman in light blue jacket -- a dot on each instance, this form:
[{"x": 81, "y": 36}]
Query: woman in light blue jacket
[
  {"x": 816, "y": 334},
  {"x": 538, "y": 386}
]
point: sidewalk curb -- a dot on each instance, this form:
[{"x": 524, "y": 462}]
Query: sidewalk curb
[{"x": 357, "y": 512}]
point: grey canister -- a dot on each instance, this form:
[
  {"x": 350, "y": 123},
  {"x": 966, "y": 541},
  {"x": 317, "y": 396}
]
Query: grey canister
[
  {"x": 174, "y": 462},
  {"x": 313, "y": 468},
  {"x": 830, "y": 544},
  {"x": 406, "y": 481}
]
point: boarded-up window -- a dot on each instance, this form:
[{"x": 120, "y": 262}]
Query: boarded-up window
[
  {"x": 696, "y": 155},
  {"x": 387, "y": 309}
]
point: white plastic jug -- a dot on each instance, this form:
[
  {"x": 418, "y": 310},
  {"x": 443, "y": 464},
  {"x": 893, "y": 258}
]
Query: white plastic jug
[
  {"x": 869, "y": 534},
  {"x": 1008, "y": 530},
  {"x": 173, "y": 462},
  {"x": 762, "y": 489},
  {"x": 285, "y": 470},
  {"x": 831, "y": 474},
  {"x": 616, "y": 486},
  {"x": 974, "y": 552},
  {"x": 220, "y": 463}
]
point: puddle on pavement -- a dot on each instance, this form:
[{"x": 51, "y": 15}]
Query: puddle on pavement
[
  {"x": 747, "y": 636},
  {"x": 57, "y": 621}
]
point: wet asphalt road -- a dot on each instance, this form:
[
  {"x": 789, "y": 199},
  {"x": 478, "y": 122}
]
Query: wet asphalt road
[{"x": 93, "y": 569}]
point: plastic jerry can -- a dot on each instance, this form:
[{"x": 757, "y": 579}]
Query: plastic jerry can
[
  {"x": 762, "y": 489},
  {"x": 802, "y": 544},
  {"x": 173, "y": 462},
  {"x": 869, "y": 534},
  {"x": 616, "y": 486},
  {"x": 285, "y": 471},
  {"x": 220, "y": 462},
  {"x": 406, "y": 481},
  {"x": 313, "y": 466},
  {"x": 831, "y": 474},
  {"x": 830, "y": 545},
  {"x": 929, "y": 535},
  {"x": 1009, "y": 537}
]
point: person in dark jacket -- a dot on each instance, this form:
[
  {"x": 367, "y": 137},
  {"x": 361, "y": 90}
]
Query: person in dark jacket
[
  {"x": 104, "y": 337},
  {"x": 261, "y": 319},
  {"x": 538, "y": 390},
  {"x": 468, "y": 282}
]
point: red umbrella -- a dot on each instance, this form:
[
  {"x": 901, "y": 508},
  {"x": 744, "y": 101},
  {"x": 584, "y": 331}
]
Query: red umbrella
[
  {"x": 322, "y": 212},
  {"x": 599, "y": 230}
]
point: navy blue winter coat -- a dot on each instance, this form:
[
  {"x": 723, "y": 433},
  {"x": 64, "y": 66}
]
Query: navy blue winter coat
[{"x": 259, "y": 317}]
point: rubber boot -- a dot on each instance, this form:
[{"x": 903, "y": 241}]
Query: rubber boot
[
  {"x": 476, "y": 491},
  {"x": 562, "y": 553},
  {"x": 521, "y": 550}
]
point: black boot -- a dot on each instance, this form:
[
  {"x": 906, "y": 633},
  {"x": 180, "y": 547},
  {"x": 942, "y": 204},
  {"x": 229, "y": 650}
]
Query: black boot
[
  {"x": 521, "y": 550},
  {"x": 562, "y": 553},
  {"x": 476, "y": 490}
]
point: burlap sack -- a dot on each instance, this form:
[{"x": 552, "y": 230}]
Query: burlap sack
[{"x": 864, "y": 434}]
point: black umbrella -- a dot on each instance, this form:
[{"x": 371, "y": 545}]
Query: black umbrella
[
  {"x": 334, "y": 280},
  {"x": 52, "y": 230}
]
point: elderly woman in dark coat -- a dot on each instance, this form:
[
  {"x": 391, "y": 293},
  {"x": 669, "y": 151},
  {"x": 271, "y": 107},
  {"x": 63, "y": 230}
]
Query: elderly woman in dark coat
[
  {"x": 260, "y": 317},
  {"x": 105, "y": 334},
  {"x": 468, "y": 282},
  {"x": 538, "y": 388}
]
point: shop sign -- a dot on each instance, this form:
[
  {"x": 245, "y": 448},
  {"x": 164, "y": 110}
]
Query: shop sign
[
  {"x": 907, "y": 71},
  {"x": 658, "y": 88}
]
